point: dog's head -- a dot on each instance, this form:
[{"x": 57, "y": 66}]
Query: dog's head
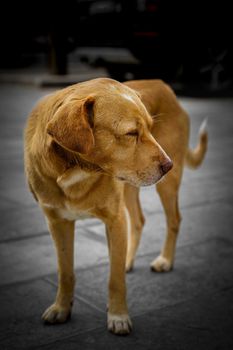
[{"x": 111, "y": 128}]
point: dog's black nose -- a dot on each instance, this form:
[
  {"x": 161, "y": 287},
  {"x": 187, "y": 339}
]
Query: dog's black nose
[{"x": 166, "y": 166}]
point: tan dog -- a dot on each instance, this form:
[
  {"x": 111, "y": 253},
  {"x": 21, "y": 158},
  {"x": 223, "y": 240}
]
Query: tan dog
[{"x": 87, "y": 150}]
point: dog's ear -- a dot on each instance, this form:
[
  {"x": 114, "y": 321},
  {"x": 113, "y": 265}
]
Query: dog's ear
[{"x": 71, "y": 126}]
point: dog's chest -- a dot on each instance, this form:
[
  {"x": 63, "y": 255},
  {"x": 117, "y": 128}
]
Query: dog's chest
[
  {"x": 74, "y": 214},
  {"x": 74, "y": 180}
]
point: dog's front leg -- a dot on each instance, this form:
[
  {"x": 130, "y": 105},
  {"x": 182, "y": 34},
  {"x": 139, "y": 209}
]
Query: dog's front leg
[
  {"x": 118, "y": 318},
  {"x": 62, "y": 232}
]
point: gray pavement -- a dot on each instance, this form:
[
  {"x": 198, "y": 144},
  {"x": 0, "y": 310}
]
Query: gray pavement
[{"x": 188, "y": 308}]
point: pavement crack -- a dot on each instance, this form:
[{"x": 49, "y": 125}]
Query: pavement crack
[
  {"x": 25, "y": 237},
  {"x": 77, "y": 297},
  {"x": 70, "y": 336}
]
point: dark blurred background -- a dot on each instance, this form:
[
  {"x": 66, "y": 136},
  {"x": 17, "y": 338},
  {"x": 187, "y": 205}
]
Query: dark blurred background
[{"x": 187, "y": 43}]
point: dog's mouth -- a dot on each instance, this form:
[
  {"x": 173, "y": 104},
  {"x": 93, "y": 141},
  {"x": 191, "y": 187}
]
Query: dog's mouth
[
  {"x": 151, "y": 180},
  {"x": 139, "y": 181},
  {"x": 148, "y": 176}
]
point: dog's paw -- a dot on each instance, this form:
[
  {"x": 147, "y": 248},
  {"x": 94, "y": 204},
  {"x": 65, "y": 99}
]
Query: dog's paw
[
  {"x": 119, "y": 324},
  {"x": 56, "y": 314},
  {"x": 161, "y": 264}
]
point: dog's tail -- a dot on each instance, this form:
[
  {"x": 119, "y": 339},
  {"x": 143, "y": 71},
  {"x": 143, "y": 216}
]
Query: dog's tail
[{"x": 195, "y": 157}]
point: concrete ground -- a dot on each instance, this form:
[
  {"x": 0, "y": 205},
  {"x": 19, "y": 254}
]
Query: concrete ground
[{"x": 188, "y": 308}]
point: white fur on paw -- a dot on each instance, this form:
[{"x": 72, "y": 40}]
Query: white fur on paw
[
  {"x": 119, "y": 324},
  {"x": 56, "y": 314},
  {"x": 161, "y": 264}
]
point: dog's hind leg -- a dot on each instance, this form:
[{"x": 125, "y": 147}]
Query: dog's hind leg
[
  {"x": 168, "y": 192},
  {"x": 136, "y": 220}
]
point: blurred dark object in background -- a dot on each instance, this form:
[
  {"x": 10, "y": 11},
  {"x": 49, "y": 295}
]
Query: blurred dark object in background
[{"x": 173, "y": 40}]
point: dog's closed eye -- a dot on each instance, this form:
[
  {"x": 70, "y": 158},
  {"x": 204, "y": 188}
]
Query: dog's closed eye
[{"x": 133, "y": 133}]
